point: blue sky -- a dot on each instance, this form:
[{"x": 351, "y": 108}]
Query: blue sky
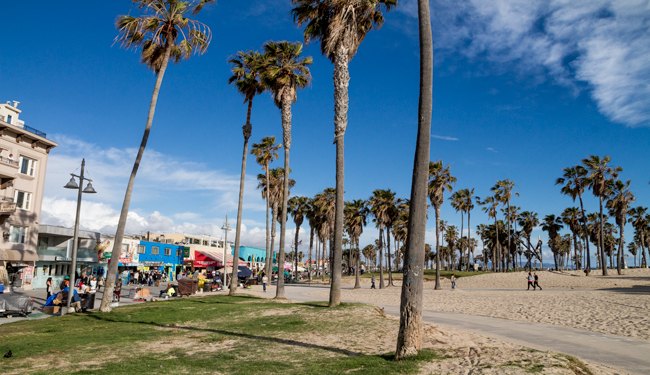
[{"x": 522, "y": 90}]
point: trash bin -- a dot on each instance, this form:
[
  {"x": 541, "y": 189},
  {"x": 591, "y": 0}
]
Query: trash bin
[
  {"x": 87, "y": 301},
  {"x": 207, "y": 286}
]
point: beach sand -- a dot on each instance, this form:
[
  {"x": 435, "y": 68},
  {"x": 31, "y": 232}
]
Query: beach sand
[{"x": 613, "y": 304}]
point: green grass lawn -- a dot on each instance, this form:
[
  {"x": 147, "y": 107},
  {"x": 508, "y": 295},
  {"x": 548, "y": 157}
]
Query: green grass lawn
[{"x": 231, "y": 335}]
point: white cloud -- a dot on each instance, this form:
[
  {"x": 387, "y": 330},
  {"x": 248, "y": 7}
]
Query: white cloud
[
  {"x": 603, "y": 43},
  {"x": 491, "y": 149},
  {"x": 444, "y": 137}
]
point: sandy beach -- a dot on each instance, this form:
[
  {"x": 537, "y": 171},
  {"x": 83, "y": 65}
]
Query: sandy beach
[{"x": 616, "y": 305}]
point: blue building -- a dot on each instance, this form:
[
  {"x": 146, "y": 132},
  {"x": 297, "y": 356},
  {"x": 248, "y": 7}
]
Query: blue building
[
  {"x": 166, "y": 258},
  {"x": 254, "y": 256}
]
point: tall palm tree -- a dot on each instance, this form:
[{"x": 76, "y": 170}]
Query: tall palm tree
[
  {"x": 324, "y": 203},
  {"x": 246, "y": 70},
  {"x": 503, "y": 193},
  {"x": 468, "y": 204},
  {"x": 552, "y": 225},
  {"x": 599, "y": 179},
  {"x": 298, "y": 206},
  {"x": 356, "y": 213},
  {"x": 458, "y": 204},
  {"x": 265, "y": 153},
  {"x": 164, "y": 33},
  {"x": 639, "y": 220},
  {"x": 285, "y": 73},
  {"x": 490, "y": 205},
  {"x": 572, "y": 217},
  {"x": 440, "y": 179},
  {"x": 574, "y": 182},
  {"x": 391, "y": 216},
  {"x": 618, "y": 205},
  {"x": 380, "y": 204},
  {"x": 341, "y": 26}
]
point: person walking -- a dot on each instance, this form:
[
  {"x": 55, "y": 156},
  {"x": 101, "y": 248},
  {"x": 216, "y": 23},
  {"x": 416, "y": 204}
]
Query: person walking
[
  {"x": 48, "y": 287},
  {"x": 372, "y": 282},
  {"x": 536, "y": 284},
  {"x": 453, "y": 281},
  {"x": 530, "y": 281},
  {"x": 265, "y": 280}
]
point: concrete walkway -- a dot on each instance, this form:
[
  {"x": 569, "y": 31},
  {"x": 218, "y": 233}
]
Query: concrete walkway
[{"x": 624, "y": 353}]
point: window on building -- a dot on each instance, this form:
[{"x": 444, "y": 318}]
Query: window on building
[
  {"x": 17, "y": 234},
  {"x": 140, "y": 249},
  {"x": 178, "y": 252},
  {"x": 168, "y": 251},
  {"x": 23, "y": 199},
  {"x": 9, "y": 118},
  {"x": 27, "y": 166},
  {"x": 155, "y": 250}
]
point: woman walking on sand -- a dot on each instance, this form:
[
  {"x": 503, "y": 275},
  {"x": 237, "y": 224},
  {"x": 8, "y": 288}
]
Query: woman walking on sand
[
  {"x": 530, "y": 281},
  {"x": 536, "y": 284},
  {"x": 453, "y": 281}
]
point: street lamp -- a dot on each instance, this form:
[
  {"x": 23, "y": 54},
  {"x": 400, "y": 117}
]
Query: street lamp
[
  {"x": 225, "y": 228},
  {"x": 72, "y": 184}
]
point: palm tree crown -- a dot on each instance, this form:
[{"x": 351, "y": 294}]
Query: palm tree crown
[{"x": 164, "y": 29}]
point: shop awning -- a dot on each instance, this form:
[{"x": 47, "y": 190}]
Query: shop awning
[{"x": 206, "y": 258}]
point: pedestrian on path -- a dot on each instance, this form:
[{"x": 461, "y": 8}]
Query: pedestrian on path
[
  {"x": 48, "y": 287},
  {"x": 372, "y": 282},
  {"x": 536, "y": 284},
  {"x": 530, "y": 281},
  {"x": 453, "y": 281},
  {"x": 265, "y": 280}
]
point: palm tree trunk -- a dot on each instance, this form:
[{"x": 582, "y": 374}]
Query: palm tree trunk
[
  {"x": 469, "y": 242},
  {"x": 341, "y": 103},
  {"x": 603, "y": 260},
  {"x": 357, "y": 278},
  {"x": 509, "y": 236},
  {"x": 274, "y": 209},
  {"x": 462, "y": 223},
  {"x": 324, "y": 242},
  {"x": 586, "y": 234},
  {"x": 644, "y": 261},
  {"x": 246, "y": 129},
  {"x": 311, "y": 245},
  {"x": 621, "y": 243},
  {"x": 269, "y": 247},
  {"x": 437, "y": 285},
  {"x": 409, "y": 339},
  {"x": 496, "y": 254},
  {"x": 121, "y": 225},
  {"x": 381, "y": 257},
  {"x": 389, "y": 263},
  {"x": 295, "y": 258},
  {"x": 286, "y": 138}
]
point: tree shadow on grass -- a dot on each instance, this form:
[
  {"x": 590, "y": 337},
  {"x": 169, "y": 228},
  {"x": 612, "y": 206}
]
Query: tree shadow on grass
[{"x": 276, "y": 340}]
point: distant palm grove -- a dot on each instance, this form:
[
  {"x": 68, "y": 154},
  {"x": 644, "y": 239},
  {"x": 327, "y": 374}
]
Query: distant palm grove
[{"x": 166, "y": 32}]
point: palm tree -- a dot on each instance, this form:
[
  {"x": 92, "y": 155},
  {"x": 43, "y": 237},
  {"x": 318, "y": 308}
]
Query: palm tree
[
  {"x": 440, "y": 179},
  {"x": 451, "y": 237},
  {"x": 503, "y": 193},
  {"x": 572, "y": 217},
  {"x": 574, "y": 181},
  {"x": 490, "y": 205},
  {"x": 341, "y": 26},
  {"x": 324, "y": 203},
  {"x": 356, "y": 213},
  {"x": 458, "y": 204},
  {"x": 619, "y": 204},
  {"x": 298, "y": 206},
  {"x": 391, "y": 216},
  {"x": 552, "y": 225},
  {"x": 639, "y": 220},
  {"x": 468, "y": 204},
  {"x": 380, "y": 204},
  {"x": 599, "y": 179},
  {"x": 284, "y": 74},
  {"x": 265, "y": 153},
  {"x": 164, "y": 33},
  {"x": 246, "y": 77},
  {"x": 369, "y": 252}
]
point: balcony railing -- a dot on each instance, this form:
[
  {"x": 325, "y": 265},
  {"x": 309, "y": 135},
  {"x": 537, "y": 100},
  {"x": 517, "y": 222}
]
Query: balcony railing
[{"x": 10, "y": 162}]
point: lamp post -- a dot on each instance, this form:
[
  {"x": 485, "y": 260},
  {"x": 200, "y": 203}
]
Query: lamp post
[
  {"x": 225, "y": 228},
  {"x": 72, "y": 184}
]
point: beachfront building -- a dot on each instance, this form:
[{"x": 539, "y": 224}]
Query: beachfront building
[
  {"x": 23, "y": 161},
  {"x": 163, "y": 257},
  {"x": 254, "y": 257},
  {"x": 129, "y": 256},
  {"x": 55, "y": 254}
]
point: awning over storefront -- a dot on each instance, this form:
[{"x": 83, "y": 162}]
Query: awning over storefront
[
  {"x": 209, "y": 258},
  {"x": 13, "y": 255}
]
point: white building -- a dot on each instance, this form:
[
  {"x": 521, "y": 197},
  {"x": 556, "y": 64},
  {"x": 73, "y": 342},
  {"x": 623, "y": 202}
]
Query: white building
[{"x": 23, "y": 162}]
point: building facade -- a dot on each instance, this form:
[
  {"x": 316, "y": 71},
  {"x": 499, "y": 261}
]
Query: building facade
[
  {"x": 23, "y": 162},
  {"x": 55, "y": 254},
  {"x": 163, "y": 257}
]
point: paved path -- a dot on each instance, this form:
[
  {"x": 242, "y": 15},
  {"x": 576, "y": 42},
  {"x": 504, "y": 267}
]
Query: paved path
[{"x": 621, "y": 352}]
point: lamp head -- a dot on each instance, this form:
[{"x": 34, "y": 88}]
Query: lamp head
[
  {"x": 89, "y": 188},
  {"x": 72, "y": 184}
]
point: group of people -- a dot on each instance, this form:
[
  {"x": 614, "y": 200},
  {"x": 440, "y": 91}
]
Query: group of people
[
  {"x": 148, "y": 278},
  {"x": 533, "y": 280}
]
